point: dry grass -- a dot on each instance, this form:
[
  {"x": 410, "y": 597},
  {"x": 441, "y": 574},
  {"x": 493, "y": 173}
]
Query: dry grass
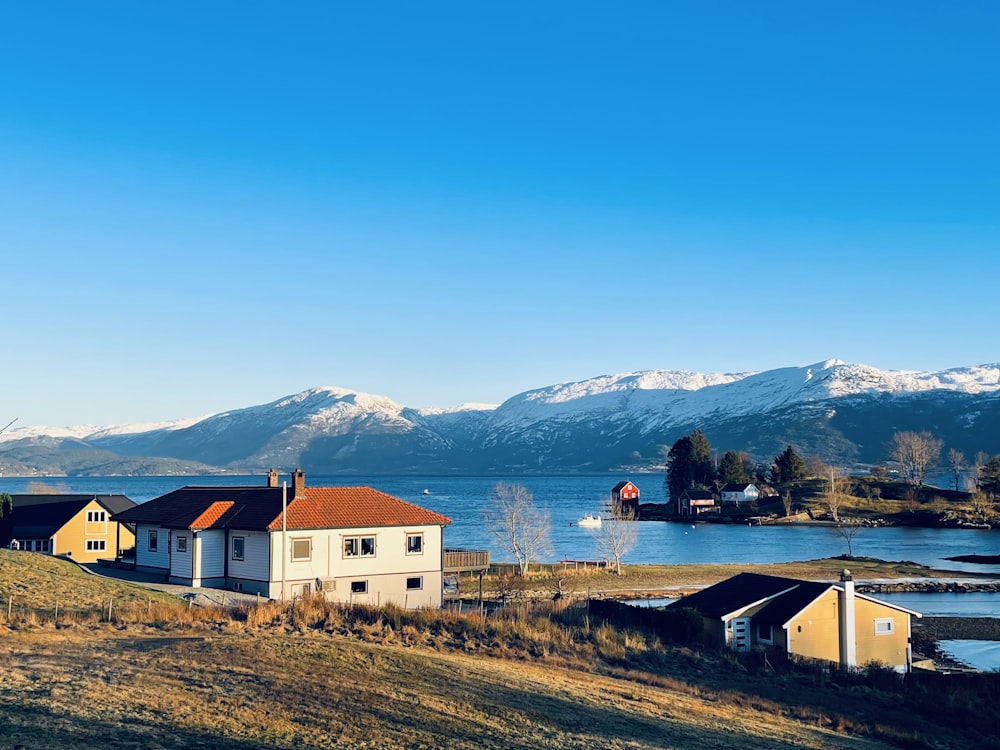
[{"x": 160, "y": 674}]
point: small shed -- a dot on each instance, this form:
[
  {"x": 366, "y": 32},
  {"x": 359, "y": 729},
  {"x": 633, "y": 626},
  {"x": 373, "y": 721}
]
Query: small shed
[{"x": 625, "y": 495}]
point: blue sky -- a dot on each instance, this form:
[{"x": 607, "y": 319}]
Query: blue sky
[{"x": 205, "y": 206}]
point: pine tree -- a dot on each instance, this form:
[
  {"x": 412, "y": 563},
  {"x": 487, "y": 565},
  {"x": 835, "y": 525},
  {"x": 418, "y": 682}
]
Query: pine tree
[
  {"x": 731, "y": 468},
  {"x": 788, "y": 467},
  {"x": 689, "y": 464}
]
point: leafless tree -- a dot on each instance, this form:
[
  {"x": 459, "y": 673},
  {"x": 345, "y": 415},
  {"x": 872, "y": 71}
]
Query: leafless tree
[
  {"x": 978, "y": 463},
  {"x": 848, "y": 529},
  {"x": 836, "y": 487},
  {"x": 618, "y": 534},
  {"x": 518, "y": 523},
  {"x": 786, "y": 501},
  {"x": 914, "y": 452},
  {"x": 956, "y": 462}
]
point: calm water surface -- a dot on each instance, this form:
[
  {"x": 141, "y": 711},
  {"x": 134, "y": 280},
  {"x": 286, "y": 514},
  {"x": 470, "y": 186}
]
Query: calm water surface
[{"x": 463, "y": 499}]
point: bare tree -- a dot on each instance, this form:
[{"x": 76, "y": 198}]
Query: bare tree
[
  {"x": 518, "y": 523},
  {"x": 848, "y": 529},
  {"x": 914, "y": 452},
  {"x": 618, "y": 534},
  {"x": 836, "y": 486},
  {"x": 956, "y": 462},
  {"x": 978, "y": 463},
  {"x": 786, "y": 501}
]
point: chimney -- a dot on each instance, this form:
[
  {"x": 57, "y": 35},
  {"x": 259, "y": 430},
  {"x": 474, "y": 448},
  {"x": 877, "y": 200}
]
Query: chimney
[
  {"x": 272, "y": 478},
  {"x": 298, "y": 482},
  {"x": 848, "y": 633}
]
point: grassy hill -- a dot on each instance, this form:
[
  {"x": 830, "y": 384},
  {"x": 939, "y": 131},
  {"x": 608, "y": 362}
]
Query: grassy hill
[{"x": 157, "y": 674}]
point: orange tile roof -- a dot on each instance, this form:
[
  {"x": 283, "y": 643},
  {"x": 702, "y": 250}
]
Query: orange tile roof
[
  {"x": 211, "y": 514},
  {"x": 353, "y": 507}
]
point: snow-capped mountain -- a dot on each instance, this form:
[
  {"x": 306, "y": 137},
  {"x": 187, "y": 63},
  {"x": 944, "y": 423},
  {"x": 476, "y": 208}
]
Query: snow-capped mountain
[{"x": 844, "y": 413}]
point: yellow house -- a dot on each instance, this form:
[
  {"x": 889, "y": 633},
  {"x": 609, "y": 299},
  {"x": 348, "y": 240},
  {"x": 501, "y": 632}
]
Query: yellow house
[
  {"x": 809, "y": 619},
  {"x": 78, "y": 526}
]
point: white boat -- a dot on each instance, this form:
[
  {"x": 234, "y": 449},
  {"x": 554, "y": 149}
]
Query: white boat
[{"x": 590, "y": 521}]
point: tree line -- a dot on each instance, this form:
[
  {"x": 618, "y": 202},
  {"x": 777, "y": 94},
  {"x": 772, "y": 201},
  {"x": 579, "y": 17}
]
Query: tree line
[{"x": 691, "y": 465}]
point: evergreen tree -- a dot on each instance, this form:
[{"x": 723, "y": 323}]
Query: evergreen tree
[
  {"x": 6, "y": 519},
  {"x": 989, "y": 481},
  {"x": 731, "y": 468},
  {"x": 689, "y": 464},
  {"x": 680, "y": 475},
  {"x": 788, "y": 467},
  {"x": 701, "y": 457}
]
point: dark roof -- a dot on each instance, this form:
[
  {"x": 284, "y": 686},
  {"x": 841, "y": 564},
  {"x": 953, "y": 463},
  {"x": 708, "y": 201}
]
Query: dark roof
[
  {"x": 736, "y": 486},
  {"x": 735, "y": 593},
  {"x": 698, "y": 494},
  {"x": 180, "y": 509},
  {"x": 788, "y": 597},
  {"x": 43, "y": 515},
  {"x": 259, "y": 509},
  {"x": 783, "y": 608}
]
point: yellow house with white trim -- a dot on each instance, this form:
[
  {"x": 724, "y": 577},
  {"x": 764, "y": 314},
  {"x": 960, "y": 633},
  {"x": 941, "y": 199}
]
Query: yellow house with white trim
[
  {"x": 808, "y": 619},
  {"x": 78, "y": 526}
]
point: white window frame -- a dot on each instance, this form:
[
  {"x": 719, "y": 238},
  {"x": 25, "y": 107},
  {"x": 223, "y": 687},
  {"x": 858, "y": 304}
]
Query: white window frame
[
  {"x": 298, "y": 541},
  {"x": 358, "y": 544},
  {"x": 152, "y": 541},
  {"x": 96, "y": 545},
  {"x": 419, "y": 585},
  {"x": 243, "y": 548},
  {"x": 418, "y": 535},
  {"x": 182, "y": 543},
  {"x": 359, "y": 587},
  {"x": 885, "y": 626}
]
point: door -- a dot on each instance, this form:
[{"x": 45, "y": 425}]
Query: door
[{"x": 739, "y": 633}]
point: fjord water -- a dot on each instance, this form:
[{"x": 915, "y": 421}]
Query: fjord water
[{"x": 566, "y": 498}]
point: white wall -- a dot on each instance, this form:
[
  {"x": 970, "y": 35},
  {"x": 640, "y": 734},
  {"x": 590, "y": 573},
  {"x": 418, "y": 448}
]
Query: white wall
[
  {"x": 181, "y": 562},
  {"x": 385, "y": 573},
  {"x": 211, "y": 569},
  {"x": 143, "y": 557}
]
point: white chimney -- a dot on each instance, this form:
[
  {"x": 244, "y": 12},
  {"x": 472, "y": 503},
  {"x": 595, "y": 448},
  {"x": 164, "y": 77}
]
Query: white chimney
[{"x": 848, "y": 633}]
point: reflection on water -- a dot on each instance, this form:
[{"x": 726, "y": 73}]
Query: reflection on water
[{"x": 970, "y": 604}]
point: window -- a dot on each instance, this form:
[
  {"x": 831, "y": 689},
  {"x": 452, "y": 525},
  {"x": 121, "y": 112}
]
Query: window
[
  {"x": 368, "y": 546},
  {"x": 95, "y": 545},
  {"x": 414, "y": 544},
  {"x": 182, "y": 544},
  {"x": 238, "y": 546},
  {"x": 151, "y": 544},
  {"x": 301, "y": 549},
  {"x": 359, "y": 546},
  {"x": 96, "y": 516},
  {"x": 417, "y": 582},
  {"x": 883, "y": 626},
  {"x": 359, "y": 587}
]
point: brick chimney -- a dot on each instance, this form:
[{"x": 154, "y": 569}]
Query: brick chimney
[
  {"x": 298, "y": 482},
  {"x": 272, "y": 478},
  {"x": 848, "y": 634}
]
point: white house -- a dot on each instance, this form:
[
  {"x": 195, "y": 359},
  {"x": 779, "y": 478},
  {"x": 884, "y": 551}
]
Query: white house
[
  {"x": 352, "y": 543},
  {"x": 738, "y": 493}
]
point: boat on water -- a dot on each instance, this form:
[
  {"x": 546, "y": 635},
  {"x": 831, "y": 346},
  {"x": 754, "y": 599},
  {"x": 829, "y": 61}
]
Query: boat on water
[{"x": 590, "y": 521}]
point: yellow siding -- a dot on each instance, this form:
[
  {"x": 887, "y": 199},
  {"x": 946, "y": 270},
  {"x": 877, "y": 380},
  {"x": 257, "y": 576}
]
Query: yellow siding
[
  {"x": 72, "y": 538},
  {"x": 890, "y": 649},
  {"x": 815, "y": 633}
]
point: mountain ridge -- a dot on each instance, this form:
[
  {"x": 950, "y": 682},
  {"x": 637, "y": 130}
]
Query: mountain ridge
[{"x": 843, "y": 413}]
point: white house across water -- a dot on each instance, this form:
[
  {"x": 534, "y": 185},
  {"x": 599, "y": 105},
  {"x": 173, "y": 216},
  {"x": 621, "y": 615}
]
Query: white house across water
[{"x": 354, "y": 544}]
